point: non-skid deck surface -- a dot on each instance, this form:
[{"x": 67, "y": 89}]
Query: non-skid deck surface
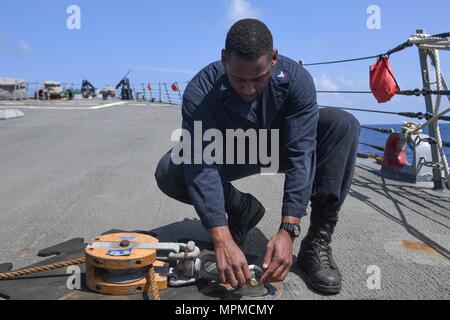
[{"x": 69, "y": 170}]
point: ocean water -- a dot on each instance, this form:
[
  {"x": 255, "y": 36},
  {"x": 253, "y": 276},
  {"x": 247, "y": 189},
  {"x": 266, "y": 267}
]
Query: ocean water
[{"x": 379, "y": 139}]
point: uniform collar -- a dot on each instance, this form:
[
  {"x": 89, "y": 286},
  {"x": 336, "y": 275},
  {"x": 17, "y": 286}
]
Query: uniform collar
[{"x": 273, "y": 97}]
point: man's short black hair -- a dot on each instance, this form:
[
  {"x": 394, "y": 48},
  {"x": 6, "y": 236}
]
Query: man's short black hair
[{"x": 250, "y": 39}]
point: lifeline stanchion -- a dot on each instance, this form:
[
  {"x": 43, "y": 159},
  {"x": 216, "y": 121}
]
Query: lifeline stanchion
[
  {"x": 144, "y": 91},
  {"x": 434, "y": 132},
  {"x": 167, "y": 93},
  {"x": 150, "y": 89},
  {"x": 179, "y": 91}
]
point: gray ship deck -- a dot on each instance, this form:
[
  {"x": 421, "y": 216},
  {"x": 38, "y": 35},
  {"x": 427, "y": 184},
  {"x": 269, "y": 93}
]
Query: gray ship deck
[{"x": 73, "y": 171}]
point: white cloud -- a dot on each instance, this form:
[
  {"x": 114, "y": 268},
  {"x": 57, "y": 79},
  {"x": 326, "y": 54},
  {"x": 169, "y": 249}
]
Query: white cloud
[
  {"x": 240, "y": 9},
  {"x": 325, "y": 83},
  {"x": 358, "y": 83},
  {"x": 347, "y": 82},
  {"x": 24, "y": 47}
]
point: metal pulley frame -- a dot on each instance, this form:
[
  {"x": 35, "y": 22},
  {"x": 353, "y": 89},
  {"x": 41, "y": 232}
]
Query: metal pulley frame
[
  {"x": 124, "y": 247},
  {"x": 135, "y": 263},
  {"x": 117, "y": 265}
]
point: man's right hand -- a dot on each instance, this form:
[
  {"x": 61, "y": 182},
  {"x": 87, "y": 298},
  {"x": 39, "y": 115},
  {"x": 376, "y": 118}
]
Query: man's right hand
[{"x": 230, "y": 260}]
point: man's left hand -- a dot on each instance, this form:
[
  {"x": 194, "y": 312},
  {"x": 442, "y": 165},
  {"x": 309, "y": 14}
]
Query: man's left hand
[{"x": 278, "y": 259}]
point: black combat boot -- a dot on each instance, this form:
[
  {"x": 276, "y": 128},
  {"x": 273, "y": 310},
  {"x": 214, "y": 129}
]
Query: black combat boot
[
  {"x": 244, "y": 212},
  {"x": 315, "y": 259}
]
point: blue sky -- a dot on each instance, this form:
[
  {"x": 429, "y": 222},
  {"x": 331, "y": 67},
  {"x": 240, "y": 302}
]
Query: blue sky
[{"x": 171, "y": 40}]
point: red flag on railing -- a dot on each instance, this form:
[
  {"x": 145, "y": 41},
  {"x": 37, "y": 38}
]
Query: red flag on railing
[
  {"x": 382, "y": 80},
  {"x": 149, "y": 87},
  {"x": 175, "y": 86}
]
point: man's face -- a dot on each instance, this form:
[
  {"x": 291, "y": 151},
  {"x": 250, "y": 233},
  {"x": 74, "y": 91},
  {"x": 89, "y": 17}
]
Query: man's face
[{"x": 249, "y": 78}]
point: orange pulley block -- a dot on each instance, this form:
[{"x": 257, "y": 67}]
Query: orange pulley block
[{"x": 123, "y": 264}]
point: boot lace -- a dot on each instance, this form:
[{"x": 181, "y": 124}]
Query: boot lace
[{"x": 323, "y": 251}]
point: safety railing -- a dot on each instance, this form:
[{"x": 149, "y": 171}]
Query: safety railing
[
  {"x": 160, "y": 92},
  {"x": 156, "y": 92},
  {"x": 429, "y": 47}
]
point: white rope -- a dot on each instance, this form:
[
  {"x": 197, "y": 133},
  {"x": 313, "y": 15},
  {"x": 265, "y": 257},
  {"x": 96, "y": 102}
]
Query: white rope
[
  {"x": 433, "y": 44},
  {"x": 414, "y": 128},
  {"x": 437, "y": 66},
  {"x": 425, "y": 41}
]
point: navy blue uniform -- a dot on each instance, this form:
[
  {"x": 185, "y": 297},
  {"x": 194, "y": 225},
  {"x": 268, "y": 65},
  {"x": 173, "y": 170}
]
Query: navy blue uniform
[{"x": 288, "y": 103}]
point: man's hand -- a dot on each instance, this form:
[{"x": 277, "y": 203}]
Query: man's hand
[
  {"x": 278, "y": 259},
  {"x": 230, "y": 260}
]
